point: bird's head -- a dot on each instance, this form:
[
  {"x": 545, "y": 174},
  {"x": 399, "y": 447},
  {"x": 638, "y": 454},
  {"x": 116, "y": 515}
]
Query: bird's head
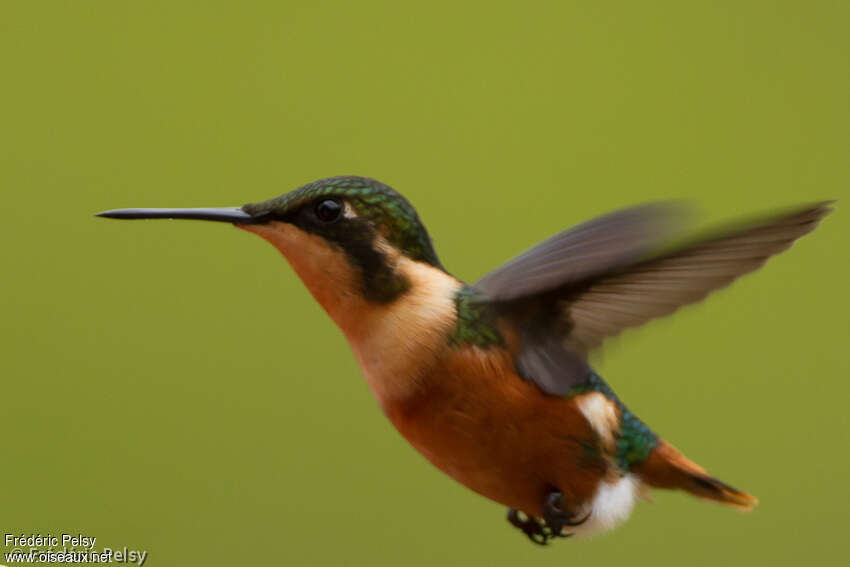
[{"x": 352, "y": 240}]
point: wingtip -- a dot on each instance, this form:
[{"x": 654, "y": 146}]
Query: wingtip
[
  {"x": 814, "y": 213},
  {"x": 827, "y": 206}
]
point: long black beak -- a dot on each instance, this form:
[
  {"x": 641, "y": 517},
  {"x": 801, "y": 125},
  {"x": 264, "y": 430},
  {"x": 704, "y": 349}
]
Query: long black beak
[{"x": 221, "y": 214}]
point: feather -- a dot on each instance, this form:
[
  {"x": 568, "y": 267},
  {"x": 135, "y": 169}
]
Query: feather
[
  {"x": 607, "y": 305},
  {"x": 589, "y": 249}
]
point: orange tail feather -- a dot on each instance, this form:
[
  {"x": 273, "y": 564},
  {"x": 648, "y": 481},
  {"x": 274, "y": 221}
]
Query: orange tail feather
[{"x": 666, "y": 467}]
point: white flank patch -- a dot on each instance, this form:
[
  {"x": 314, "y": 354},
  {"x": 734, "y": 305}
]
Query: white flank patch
[
  {"x": 601, "y": 413},
  {"x": 611, "y": 506}
]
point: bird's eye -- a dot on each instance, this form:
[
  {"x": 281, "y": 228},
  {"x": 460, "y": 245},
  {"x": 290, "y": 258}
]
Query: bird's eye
[{"x": 328, "y": 210}]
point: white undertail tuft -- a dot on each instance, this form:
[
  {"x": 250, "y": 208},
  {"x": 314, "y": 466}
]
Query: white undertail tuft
[{"x": 611, "y": 505}]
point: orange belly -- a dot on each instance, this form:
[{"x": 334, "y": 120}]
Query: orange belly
[{"x": 497, "y": 434}]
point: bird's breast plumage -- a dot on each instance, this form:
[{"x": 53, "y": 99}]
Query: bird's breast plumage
[{"x": 479, "y": 422}]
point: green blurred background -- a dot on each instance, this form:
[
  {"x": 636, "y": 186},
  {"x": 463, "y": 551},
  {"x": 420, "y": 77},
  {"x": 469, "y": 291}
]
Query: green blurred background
[{"x": 173, "y": 387}]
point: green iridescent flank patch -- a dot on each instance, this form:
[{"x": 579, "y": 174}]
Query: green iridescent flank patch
[
  {"x": 636, "y": 440},
  {"x": 381, "y": 204},
  {"x": 475, "y": 321}
]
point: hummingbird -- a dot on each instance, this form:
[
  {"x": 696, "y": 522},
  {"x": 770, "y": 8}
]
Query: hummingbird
[{"x": 492, "y": 381}]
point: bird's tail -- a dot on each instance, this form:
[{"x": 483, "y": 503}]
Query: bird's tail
[{"x": 666, "y": 467}]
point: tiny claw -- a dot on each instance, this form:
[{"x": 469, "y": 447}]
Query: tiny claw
[
  {"x": 556, "y": 517},
  {"x": 534, "y": 529}
]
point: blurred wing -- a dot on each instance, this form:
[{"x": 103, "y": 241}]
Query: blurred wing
[
  {"x": 547, "y": 362},
  {"x": 589, "y": 249},
  {"x": 605, "y": 306}
]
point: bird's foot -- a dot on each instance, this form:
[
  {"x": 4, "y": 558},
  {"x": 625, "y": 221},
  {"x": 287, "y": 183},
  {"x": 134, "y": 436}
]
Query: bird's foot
[
  {"x": 556, "y": 518},
  {"x": 542, "y": 530},
  {"x": 535, "y": 528}
]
